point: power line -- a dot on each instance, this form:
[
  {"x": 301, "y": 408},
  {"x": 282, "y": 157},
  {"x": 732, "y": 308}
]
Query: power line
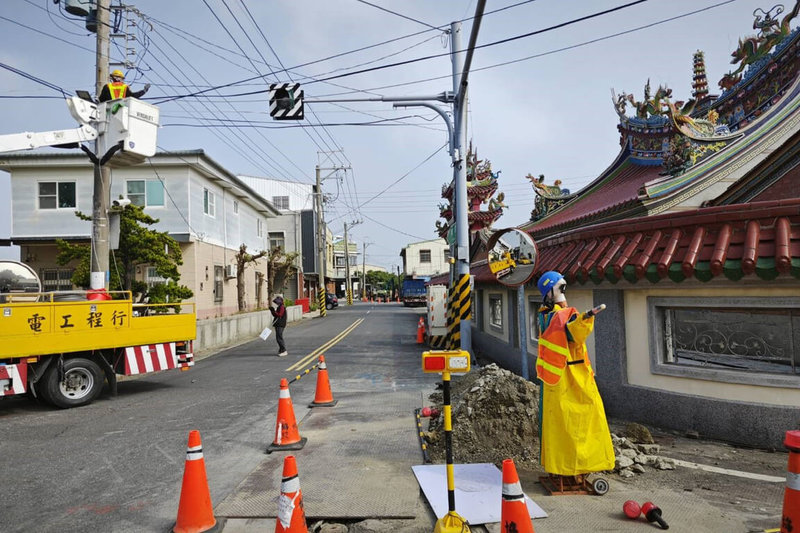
[{"x": 399, "y": 15}]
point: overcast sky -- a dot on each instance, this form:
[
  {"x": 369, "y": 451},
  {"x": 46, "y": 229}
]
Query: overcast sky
[{"x": 539, "y": 104}]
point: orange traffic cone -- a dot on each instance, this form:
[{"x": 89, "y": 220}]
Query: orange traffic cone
[
  {"x": 291, "y": 516},
  {"x": 324, "y": 396},
  {"x": 420, "y": 331},
  {"x": 790, "y": 518},
  {"x": 287, "y": 436},
  {"x": 514, "y": 516},
  {"x": 195, "y": 513}
]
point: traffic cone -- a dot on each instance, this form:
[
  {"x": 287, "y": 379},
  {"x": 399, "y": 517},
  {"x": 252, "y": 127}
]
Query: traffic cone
[
  {"x": 287, "y": 436},
  {"x": 420, "y": 331},
  {"x": 324, "y": 396},
  {"x": 291, "y": 516},
  {"x": 790, "y": 518},
  {"x": 514, "y": 516},
  {"x": 195, "y": 513}
]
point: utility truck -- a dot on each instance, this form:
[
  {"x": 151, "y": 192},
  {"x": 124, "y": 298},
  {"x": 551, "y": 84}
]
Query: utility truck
[{"x": 63, "y": 346}]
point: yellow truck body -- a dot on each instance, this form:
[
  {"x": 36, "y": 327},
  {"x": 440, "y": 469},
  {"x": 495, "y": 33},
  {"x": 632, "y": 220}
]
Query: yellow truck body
[{"x": 38, "y": 328}]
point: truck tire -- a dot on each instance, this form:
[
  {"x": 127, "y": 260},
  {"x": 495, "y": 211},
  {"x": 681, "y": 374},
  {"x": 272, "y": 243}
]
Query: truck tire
[{"x": 82, "y": 383}]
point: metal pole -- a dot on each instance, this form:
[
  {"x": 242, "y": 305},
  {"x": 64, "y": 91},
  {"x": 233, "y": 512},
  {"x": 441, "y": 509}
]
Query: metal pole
[
  {"x": 102, "y": 175},
  {"x": 364, "y": 272},
  {"x": 523, "y": 330},
  {"x": 460, "y": 185},
  {"x": 321, "y": 247}
]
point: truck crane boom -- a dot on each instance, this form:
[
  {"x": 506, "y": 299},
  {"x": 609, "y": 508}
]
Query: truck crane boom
[{"x": 81, "y": 110}]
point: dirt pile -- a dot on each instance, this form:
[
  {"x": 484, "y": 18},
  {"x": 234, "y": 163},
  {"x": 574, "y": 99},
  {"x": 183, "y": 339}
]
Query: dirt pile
[{"x": 494, "y": 417}]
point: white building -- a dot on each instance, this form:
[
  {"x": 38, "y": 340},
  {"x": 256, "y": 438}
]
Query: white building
[
  {"x": 208, "y": 210},
  {"x": 426, "y": 258}
]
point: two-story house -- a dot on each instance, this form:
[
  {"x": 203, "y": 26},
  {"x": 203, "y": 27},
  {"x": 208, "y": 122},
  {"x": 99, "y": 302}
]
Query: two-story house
[
  {"x": 203, "y": 206},
  {"x": 426, "y": 258}
]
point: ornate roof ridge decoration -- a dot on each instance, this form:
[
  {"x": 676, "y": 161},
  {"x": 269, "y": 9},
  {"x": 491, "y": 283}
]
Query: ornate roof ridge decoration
[
  {"x": 548, "y": 197},
  {"x": 752, "y": 50}
]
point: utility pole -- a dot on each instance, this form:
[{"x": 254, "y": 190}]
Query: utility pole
[
  {"x": 348, "y": 285},
  {"x": 364, "y": 271},
  {"x": 320, "y": 247},
  {"x": 102, "y": 174}
]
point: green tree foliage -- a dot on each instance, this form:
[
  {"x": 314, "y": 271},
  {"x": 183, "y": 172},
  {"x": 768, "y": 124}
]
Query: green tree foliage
[
  {"x": 138, "y": 246},
  {"x": 382, "y": 282}
]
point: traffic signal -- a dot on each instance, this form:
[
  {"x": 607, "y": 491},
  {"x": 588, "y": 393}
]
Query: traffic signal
[{"x": 285, "y": 101}]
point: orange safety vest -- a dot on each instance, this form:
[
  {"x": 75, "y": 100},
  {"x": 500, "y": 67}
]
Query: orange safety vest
[
  {"x": 117, "y": 89},
  {"x": 553, "y": 348}
]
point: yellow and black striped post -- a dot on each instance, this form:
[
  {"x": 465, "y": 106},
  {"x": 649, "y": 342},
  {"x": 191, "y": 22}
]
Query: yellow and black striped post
[
  {"x": 459, "y": 307},
  {"x": 452, "y": 521},
  {"x": 349, "y": 296},
  {"x": 321, "y": 301}
]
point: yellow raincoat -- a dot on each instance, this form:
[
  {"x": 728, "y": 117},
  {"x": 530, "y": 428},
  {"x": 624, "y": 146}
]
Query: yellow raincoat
[{"x": 573, "y": 429}]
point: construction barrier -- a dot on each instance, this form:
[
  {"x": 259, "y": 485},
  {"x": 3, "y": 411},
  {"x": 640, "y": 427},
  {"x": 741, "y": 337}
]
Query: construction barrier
[
  {"x": 287, "y": 435},
  {"x": 195, "y": 512},
  {"x": 323, "y": 396},
  {"x": 291, "y": 515}
]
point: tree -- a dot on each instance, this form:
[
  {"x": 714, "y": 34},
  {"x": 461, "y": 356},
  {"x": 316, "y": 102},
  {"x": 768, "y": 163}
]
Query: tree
[
  {"x": 382, "y": 281},
  {"x": 242, "y": 260},
  {"x": 280, "y": 265},
  {"x": 138, "y": 246}
]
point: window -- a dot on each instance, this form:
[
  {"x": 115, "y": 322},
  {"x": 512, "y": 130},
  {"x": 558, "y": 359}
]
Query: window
[
  {"x": 153, "y": 278},
  {"x": 424, "y": 256},
  {"x": 447, "y": 256},
  {"x": 57, "y": 195},
  {"x": 259, "y": 227},
  {"x": 276, "y": 241},
  {"x": 218, "y": 278},
  {"x": 146, "y": 193},
  {"x": 281, "y": 202},
  {"x": 533, "y": 318},
  {"x": 339, "y": 261},
  {"x": 57, "y": 279},
  {"x": 739, "y": 340},
  {"x": 496, "y": 311},
  {"x": 208, "y": 203},
  {"x": 235, "y": 207}
]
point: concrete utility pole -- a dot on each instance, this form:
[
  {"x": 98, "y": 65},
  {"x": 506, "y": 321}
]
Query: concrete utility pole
[
  {"x": 320, "y": 247},
  {"x": 102, "y": 174},
  {"x": 364, "y": 270},
  {"x": 348, "y": 286}
]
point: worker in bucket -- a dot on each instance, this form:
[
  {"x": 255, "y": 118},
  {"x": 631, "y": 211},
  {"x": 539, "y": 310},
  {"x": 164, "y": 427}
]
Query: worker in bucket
[
  {"x": 573, "y": 431},
  {"x": 117, "y": 88}
]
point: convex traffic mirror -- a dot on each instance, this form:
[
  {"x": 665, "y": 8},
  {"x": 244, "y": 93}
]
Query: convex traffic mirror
[{"x": 512, "y": 256}]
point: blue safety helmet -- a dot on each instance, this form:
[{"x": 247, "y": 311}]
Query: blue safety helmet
[{"x": 548, "y": 281}]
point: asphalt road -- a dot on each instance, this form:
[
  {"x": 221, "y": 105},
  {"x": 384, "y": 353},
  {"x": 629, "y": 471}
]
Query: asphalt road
[{"x": 116, "y": 465}]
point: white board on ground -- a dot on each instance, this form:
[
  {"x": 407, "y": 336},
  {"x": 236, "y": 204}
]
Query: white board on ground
[{"x": 479, "y": 491}]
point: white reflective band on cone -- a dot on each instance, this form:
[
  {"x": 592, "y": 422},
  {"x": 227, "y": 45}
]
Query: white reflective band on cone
[
  {"x": 512, "y": 491},
  {"x": 792, "y": 481},
  {"x": 278, "y": 433},
  {"x": 291, "y": 484},
  {"x": 194, "y": 453},
  {"x": 323, "y": 366},
  {"x": 284, "y": 393}
]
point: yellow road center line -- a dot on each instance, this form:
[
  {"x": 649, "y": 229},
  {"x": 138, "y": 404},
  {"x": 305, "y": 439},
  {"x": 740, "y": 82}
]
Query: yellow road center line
[{"x": 307, "y": 359}]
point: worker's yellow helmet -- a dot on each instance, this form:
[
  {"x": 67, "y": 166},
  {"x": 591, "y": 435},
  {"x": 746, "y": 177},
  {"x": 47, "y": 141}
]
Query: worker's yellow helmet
[{"x": 117, "y": 74}]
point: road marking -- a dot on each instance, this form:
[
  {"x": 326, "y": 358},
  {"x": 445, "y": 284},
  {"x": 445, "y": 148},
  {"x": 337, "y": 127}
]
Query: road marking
[
  {"x": 737, "y": 473},
  {"x": 307, "y": 359}
]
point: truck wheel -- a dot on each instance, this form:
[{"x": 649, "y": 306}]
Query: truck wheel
[{"x": 82, "y": 383}]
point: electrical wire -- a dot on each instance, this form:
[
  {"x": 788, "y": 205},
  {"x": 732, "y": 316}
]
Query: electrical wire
[{"x": 399, "y": 14}]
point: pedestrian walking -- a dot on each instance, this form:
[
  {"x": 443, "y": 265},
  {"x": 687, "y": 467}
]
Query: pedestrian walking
[{"x": 279, "y": 323}]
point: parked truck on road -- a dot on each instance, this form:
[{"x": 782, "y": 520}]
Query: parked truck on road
[
  {"x": 63, "y": 346},
  {"x": 413, "y": 291}
]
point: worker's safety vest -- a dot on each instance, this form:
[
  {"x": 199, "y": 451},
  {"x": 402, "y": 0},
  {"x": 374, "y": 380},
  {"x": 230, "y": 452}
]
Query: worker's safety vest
[
  {"x": 553, "y": 348},
  {"x": 117, "y": 89}
]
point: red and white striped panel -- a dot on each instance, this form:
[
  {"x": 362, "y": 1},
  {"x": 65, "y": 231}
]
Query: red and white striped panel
[
  {"x": 13, "y": 379},
  {"x": 150, "y": 358}
]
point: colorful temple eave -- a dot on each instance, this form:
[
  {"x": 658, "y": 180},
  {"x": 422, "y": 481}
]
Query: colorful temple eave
[{"x": 761, "y": 238}]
